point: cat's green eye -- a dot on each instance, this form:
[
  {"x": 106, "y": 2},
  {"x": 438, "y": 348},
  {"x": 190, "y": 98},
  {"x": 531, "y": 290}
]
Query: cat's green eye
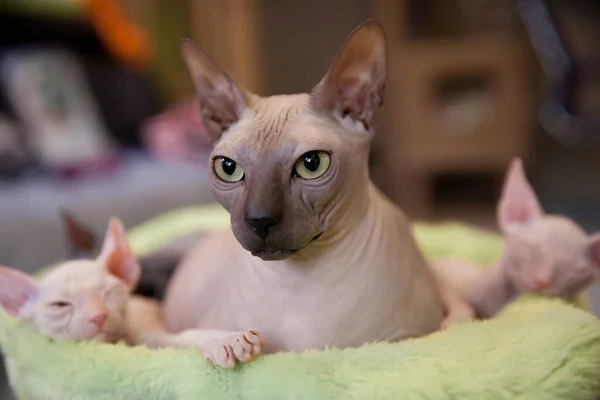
[
  {"x": 312, "y": 165},
  {"x": 228, "y": 170}
]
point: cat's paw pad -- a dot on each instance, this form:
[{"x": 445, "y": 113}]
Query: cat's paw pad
[{"x": 227, "y": 350}]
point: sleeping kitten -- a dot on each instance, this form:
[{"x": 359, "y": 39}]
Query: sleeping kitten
[
  {"x": 545, "y": 254},
  {"x": 80, "y": 299}
]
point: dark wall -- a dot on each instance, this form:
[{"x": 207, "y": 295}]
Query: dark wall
[{"x": 301, "y": 38}]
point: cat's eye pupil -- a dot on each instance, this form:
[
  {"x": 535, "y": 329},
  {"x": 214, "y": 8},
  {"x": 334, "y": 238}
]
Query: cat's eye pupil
[
  {"x": 228, "y": 166},
  {"x": 312, "y": 161}
]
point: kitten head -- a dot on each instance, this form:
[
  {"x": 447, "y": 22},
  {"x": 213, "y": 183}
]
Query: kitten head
[
  {"x": 544, "y": 253},
  {"x": 288, "y": 167},
  {"x": 77, "y": 300}
]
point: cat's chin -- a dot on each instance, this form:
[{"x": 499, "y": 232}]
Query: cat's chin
[
  {"x": 273, "y": 255},
  {"x": 267, "y": 254}
]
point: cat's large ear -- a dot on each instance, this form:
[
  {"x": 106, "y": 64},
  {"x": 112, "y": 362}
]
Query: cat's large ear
[
  {"x": 518, "y": 203},
  {"x": 81, "y": 239},
  {"x": 355, "y": 82},
  {"x": 117, "y": 256},
  {"x": 595, "y": 254},
  {"x": 16, "y": 289},
  {"x": 221, "y": 100}
]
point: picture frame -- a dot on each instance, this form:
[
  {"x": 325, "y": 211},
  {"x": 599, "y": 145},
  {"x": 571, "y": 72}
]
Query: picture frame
[{"x": 51, "y": 98}]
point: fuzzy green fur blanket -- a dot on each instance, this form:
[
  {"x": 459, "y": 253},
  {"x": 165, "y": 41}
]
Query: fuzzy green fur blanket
[{"x": 536, "y": 349}]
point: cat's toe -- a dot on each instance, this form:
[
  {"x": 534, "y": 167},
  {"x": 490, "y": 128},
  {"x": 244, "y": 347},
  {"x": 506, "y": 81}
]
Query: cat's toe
[
  {"x": 255, "y": 341},
  {"x": 242, "y": 349},
  {"x": 221, "y": 355}
]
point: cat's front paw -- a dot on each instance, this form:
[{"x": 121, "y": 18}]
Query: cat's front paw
[{"x": 227, "y": 350}]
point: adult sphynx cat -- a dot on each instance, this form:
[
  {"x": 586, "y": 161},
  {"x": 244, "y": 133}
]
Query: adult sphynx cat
[{"x": 316, "y": 256}]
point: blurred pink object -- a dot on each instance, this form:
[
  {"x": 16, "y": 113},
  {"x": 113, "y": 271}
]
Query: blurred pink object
[{"x": 178, "y": 133}]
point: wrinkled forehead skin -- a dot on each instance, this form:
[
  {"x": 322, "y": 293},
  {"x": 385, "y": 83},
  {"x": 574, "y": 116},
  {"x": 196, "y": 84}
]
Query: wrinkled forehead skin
[{"x": 277, "y": 130}]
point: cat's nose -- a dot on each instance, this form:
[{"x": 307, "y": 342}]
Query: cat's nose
[
  {"x": 542, "y": 280},
  {"x": 99, "y": 319},
  {"x": 261, "y": 225},
  {"x": 541, "y": 284}
]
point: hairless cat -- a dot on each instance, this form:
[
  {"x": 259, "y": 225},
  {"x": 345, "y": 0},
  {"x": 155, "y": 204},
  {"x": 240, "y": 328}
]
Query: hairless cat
[
  {"x": 80, "y": 299},
  {"x": 316, "y": 255},
  {"x": 545, "y": 254}
]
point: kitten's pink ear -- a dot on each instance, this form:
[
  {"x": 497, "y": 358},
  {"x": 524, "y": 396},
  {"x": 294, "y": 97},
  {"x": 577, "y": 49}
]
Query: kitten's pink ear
[
  {"x": 16, "y": 288},
  {"x": 117, "y": 256},
  {"x": 595, "y": 254},
  {"x": 518, "y": 203}
]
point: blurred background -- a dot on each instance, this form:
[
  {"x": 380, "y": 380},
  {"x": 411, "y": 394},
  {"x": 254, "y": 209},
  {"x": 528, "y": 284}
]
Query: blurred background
[{"x": 97, "y": 114}]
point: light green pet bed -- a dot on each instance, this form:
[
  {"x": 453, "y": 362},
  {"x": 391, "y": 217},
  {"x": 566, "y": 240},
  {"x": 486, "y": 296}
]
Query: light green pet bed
[{"x": 536, "y": 349}]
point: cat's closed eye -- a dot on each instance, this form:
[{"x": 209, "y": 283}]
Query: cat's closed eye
[{"x": 59, "y": 304}]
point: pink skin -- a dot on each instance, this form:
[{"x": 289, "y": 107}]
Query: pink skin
[
  {"x": 77, "y": 300},
  {"x": 545, "y": 254}
]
